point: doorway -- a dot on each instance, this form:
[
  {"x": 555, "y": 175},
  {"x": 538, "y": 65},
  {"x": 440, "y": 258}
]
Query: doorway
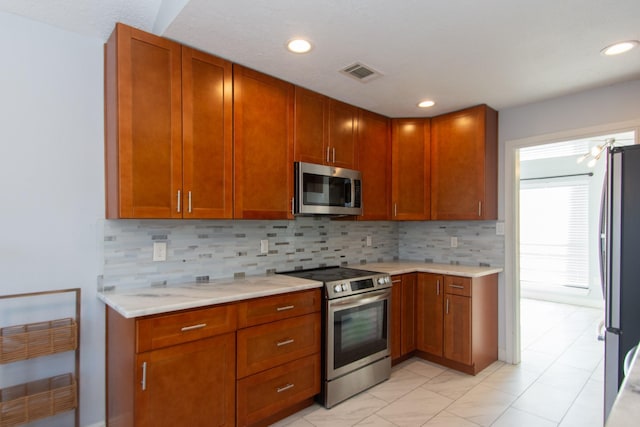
[{"x": 583, "y": 288}]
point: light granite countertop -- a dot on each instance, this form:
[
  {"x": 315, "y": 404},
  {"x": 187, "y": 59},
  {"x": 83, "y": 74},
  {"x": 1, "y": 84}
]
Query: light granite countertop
[
  {"x": 626, "y": 408},
  {"x": 402, "y": 267},
  {"x": 155, "y": 300}
]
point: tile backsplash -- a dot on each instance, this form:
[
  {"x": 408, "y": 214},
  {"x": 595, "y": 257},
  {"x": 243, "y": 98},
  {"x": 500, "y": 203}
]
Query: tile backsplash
[
  {"x": 222, "y": 249},
  {"x": 213, "y": 249},
  {"x": 430, "y": 241}
]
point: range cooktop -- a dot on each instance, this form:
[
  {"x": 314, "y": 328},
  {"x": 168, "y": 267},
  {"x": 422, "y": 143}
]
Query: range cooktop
[{"x": 343, "y": 281}]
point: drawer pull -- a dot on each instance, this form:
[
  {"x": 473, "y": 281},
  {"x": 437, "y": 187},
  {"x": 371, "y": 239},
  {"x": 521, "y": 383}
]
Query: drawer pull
[
  {"x": 285, "y": 388},
  {"x": 286, "y": 307},
  {"x": 457, "y": 286},
  {"x": 191, "y": 328},
  {"x": 285, "y": 342}
]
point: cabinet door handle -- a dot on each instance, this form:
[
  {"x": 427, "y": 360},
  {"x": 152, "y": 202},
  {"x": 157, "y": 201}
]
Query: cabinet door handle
[
  {"x": 334, "y": 154},
  {"x": 395, "y": 209},
  {"x": 189, "y": 201},
  {"x": 178, "y": 201},
  {"x": 447, "y": 310},
  {"x": 437, "y": 287},
  {"x": 286, "y": 307},
  {"x": 144, "y": 376},
  {"x": 285, "y": 342},
  {"x": 480, "y": 208},
  {"x": 456, "y": 286},
  {"x": 327, "y": 154},
  {"x": 191, "y": 328},
  {"x": 285, "y": 388}
]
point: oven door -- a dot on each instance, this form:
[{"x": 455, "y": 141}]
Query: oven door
[{"x": 357, "y": 331}]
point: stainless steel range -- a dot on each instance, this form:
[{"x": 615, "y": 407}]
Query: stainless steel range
[{"x": 356, "y": 316}]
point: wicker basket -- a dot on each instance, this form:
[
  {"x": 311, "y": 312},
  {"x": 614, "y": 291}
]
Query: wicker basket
[
  {"x": 37, "y": 339},
  {"x": 23, "y": 403}
]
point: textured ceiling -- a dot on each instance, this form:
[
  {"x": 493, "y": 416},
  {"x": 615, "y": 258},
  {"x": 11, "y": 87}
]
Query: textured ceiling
[{"x": 458, "y": 52}]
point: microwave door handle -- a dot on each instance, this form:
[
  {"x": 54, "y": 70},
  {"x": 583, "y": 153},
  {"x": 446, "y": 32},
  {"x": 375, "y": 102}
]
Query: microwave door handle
[{"x": 348, "y": 191}]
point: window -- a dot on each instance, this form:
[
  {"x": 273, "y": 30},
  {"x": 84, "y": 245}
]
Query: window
[{"x": 554, "y": 233}]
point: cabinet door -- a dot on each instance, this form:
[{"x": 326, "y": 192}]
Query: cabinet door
[
  {"x": 408, "y": 313},
  {"x": 464, "y": 165},
  {"x": 143, "y": 125},
  {"x": 263, "y": 146},
  {"x": 457, "y": 328},
  {"x": 207, "y": 136},
  {"x": 396, "y": 317},
  {"x": 343, "y": 120},
  {"x": 410, "y": 169},
  {"x": 190, "y": 384},
  {"x": 429, "y": 312},
  {"x": 310, "y": 132},
  {"x": 374, "y": 162}
]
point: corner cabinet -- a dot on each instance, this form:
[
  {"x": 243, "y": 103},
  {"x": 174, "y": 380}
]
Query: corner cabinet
[
  {"x": 411, "y": 189},
  {"x": 458, "y": 320},
  {"x": 170, "y": 367},
  {"x": 168, "y": 129},
  {"x": 34, "y": 400},
  {"x": 263, "y": 145},
  {"x": 374, "y": 162},
  {"x": 464, "y": 165}
]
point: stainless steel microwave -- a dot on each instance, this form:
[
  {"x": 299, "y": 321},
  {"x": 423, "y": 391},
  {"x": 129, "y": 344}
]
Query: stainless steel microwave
[{"x": 326, "y": 190}]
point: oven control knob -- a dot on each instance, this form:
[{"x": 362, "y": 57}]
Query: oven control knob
[
  {"x": 345, "y": 287},
  {"x": 337, "y": 288},
  {"x": 381, "y": 281}
]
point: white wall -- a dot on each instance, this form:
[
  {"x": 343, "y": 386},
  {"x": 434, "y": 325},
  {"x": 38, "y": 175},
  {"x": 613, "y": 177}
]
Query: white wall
[{"x": 51, "y": 175}]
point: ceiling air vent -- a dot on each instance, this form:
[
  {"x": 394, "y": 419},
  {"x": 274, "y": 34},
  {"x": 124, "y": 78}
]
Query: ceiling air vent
[{"x": 360, "y": 72}]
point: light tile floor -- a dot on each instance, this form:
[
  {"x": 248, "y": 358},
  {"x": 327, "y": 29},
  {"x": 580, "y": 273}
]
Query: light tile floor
[{"x": 559, "y": 383}]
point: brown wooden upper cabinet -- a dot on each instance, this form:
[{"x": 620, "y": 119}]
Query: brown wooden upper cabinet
[
  {"x": 168, "y": 133},
  {"x": 325, "y": 130},
  {"x": 263, "y": 145},
  {"x": 464, "y": 157},
  {"x": 411, "y": 189},
  {"x": 374, "y": 162}
]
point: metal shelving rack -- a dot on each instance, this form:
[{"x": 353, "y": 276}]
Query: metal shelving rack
[{"x": 23, "y": 403}]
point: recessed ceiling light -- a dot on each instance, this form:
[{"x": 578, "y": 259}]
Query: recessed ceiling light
[
  {"x": 618, "y": 48},
  {"x": 426, "y": 103},
  {"x": 299, "y": 46}
]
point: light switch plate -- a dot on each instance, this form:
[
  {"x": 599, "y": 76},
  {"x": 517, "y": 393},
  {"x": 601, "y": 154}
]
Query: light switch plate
[
  {"x": 264, "y": 246},
  {"x": 499, "y": 228},
  {"x": 369, "y": 243},
  {"x": 454, "y": 242}
]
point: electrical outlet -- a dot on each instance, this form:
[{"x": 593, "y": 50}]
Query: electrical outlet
[
  {"x": 454, "y": 242},
  {"x": 264, "y": 246},
  {"x": 369, "y": 241},
  {"x": 499, "y": 228},
  {"x": 159, "y": 251}
]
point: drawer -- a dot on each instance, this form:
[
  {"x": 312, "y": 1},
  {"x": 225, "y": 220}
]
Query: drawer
[
  {"x": 265, "y": 346},
  {"x": 277, "y": 307},
  {"x": 456, "y": 285},
  {"x": 170, "y": 329},
  {"x": 268, "y": 392}
]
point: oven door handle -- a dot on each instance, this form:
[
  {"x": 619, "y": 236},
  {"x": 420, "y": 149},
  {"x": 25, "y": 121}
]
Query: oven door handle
[{"x": 357, "y": 300}]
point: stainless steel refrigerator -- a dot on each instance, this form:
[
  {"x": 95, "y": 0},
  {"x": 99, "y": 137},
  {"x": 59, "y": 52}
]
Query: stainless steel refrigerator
[{"x": 620, "y": 250}]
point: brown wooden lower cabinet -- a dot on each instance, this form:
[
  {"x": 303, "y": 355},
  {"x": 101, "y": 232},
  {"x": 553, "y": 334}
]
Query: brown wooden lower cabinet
[
  {"x": 173, "y": 369},
  {"x": 403, "y": 316},
  {"x": 429, "y": 313},
  {"x": 458, "y": 320},
  {"x": 197, "y": 368},
  {"x": 193, "y": 383},
  {"x": 267, "y": 393}
]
